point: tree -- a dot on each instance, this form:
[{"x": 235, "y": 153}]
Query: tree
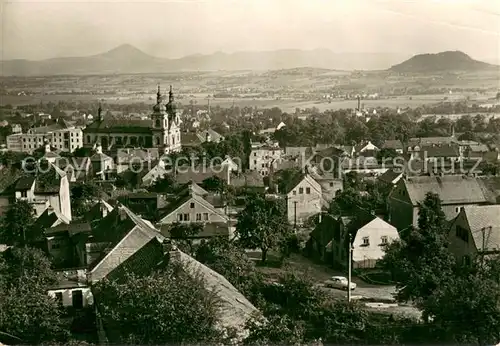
[
  {"x": 166, "y": 184},
  {"x": 166, "y": 307},
  {"x": 184, "y": 234},
  {"x": 346, "y": 202},
  {"x": 26, "y": 311},
  {"x": 83, "y": 196},
  {"x": 386, "y": 155},
  {"x": 15, "y": 225},
  {"x": 229, "y": 260},
  {"x": 215, "y": 184},
  {"x": 467, "y": 136},
  {"x": 262, "y": 224},
  {"x": 421, "y": 262}
]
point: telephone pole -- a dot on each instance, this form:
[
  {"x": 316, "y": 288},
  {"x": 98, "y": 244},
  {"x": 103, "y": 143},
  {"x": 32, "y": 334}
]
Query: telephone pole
[
  {"x": 349, "y": 273},
  {"x": 295, "y": 214}
]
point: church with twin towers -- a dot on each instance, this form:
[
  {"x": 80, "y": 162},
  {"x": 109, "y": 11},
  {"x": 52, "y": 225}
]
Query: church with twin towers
[{"x": 161, "y": 130}]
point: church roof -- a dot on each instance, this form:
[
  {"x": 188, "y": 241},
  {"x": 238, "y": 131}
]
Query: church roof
[{"x": 115, "y": 125}]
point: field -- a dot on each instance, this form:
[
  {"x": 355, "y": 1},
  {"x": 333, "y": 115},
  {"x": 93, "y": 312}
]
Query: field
[{"x": 286, "y": 89}]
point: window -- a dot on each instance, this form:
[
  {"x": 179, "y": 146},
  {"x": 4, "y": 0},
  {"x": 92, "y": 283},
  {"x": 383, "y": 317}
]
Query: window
[
  {"x": 55, "y": 246},
  {"x": 205, "y": 216},
  {"x": 466, "y": 260},
  {"x": 366, "y": 241},
  {"x": 301, "y": 190},
  {"x": 186, "y": 217},
  {"x": 24, "y": 194},
  {"x": 179, "y": 217},
  {"x": 59, "y": 298},
  {"x": 308, "y": 190},
  {"x": 254, "y": 154},
  {"x": 77, "y": 298},
  {"x": 294, "y": 192},
  {"x": 198, "y": 216},
  {"x": 191, "y": 205},
  {"x": 263, "y": 165},
  {"x": 254, "y": 162},
  {"x": 384, "y": 240},
  {"x": 331, "y": 184},
  {"x": 462, "y": 233}
]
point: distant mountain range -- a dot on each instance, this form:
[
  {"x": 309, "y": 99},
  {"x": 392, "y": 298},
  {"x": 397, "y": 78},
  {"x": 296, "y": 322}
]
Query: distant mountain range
[
  {"x": 444, "y": 61},
  {"x": 127, "y": 59}
]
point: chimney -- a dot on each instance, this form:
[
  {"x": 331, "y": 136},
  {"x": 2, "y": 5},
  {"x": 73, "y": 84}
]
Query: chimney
[
  {"x": 228, "y": 175},
  {"x": 359, "y": 103},
  {"x": 207, "y": 137},
  {"x": 122, "y": 213}
]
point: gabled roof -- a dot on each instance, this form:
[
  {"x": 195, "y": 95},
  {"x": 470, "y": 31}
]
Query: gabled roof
[
  {"x": 247, "y": 179},
  {"x": 485, "y": 217},
  {"x": 190, "y": 196},
  {"x": 452, "y": 189},
  {"x": 214, "y": 136},
  {"x": 444, "y": 150},
  {"x": 392, "y": 144},
  {"x": 390, "y": 176},
  {"x": 135, "y": 235},
  {"x": 235, "y": 309},
  {"x": 25, "y": 183},
  {"x": 197, "y": 174},
  {"x": 119, "y": 125}
]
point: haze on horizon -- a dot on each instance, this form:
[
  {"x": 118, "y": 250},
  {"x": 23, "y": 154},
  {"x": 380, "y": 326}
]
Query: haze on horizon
[{"x": 40, "y": 29}]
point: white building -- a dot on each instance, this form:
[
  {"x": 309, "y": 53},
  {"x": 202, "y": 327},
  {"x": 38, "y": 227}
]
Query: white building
[
  {"x": 61, "y": 136},
  {"x": 262, "y": 158}
]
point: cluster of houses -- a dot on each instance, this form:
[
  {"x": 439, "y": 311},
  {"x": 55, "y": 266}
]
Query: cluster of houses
[{"x": 117, "y": 234}]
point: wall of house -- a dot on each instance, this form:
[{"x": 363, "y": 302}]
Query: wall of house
[
  {"x": 329, "y": 187},
  {"x": 61, "y": 249},
  {"x": 366, "y": 255},
  {"x": 401, "y": 211},
  {"x": 303, "y": 202},
  {"x": 64, "y": 198},
  {"x": 457, "y": 246},
  {"x": 67, "y": 295},
  {"x": 260, "y": 159},
  {"x": 197, "y": 213}
]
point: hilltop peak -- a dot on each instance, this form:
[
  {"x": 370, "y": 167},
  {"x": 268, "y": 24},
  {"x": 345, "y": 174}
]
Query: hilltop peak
[
  {"x": 125, "y": 51},
  {"x": 438, "y": 62}
]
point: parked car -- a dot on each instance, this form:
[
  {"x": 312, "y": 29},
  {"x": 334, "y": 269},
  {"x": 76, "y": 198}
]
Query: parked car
[{"x": 339, "y": 282}]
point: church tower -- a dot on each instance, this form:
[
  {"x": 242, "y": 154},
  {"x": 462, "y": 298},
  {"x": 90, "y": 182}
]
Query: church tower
[
  {"x": 165, "y": 124},
  {"x": 159, "y": 122},
  {"x": 173, "y": 135}
]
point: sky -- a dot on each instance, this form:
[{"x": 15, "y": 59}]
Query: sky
[{"x": 173, "y": 28}]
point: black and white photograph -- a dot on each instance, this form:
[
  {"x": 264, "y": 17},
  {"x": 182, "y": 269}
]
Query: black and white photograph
[{"x": 249, "y": 172}]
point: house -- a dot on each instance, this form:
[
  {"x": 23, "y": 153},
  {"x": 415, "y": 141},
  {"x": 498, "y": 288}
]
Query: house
[
  {"x": 367, "y": 149},
  {"x": 209, "y": 136},
  {"x": 76, "y": 168},
  {"x": 446, "y": 152},
  {"x": 122, "y": 243},
  {"x": 476, "y": 150},
  {"x": 330, "y": 185},
  {"x": 330, "y": 160},
  {"x": 101, "y": 163},
  {"x": 414, "y": 145},
  {"x": 455, "y": 191},
  {"x": 263, "y": 157},
  {"x": 71, "y": 289},
  {"x": 156, "y": 173},
  {"x": 50, "y": 188},
  {"x": 250, "y": 180},
  {"x": 390, "y": 177},
  {"x": 304, "y": 198},
  {"x": 193, "y": 206},
  {"x": 366, "y": 232},
  {"x": 145, "y": 204},
  {"x": 394, "y": 144},
  {"x": 475, "y": 231},
  {"x": 127, "y": 158}
]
